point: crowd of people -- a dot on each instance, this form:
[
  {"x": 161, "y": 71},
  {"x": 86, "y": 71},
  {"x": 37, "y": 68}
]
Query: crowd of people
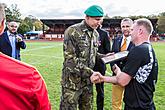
[{"x": 85, "y": 43}]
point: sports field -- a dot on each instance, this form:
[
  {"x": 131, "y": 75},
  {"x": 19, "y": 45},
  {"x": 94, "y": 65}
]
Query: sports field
[{"x": 47, "y": 57}]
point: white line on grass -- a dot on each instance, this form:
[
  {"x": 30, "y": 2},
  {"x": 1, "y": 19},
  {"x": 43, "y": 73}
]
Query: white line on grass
[
  {"x": 43, "y": 59},
  {"x": 43, "y": 56},
  {"x": 27, "y": 50}
]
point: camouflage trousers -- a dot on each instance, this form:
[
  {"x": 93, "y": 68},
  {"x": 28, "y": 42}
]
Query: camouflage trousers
[{"x": 74, "y": 99}]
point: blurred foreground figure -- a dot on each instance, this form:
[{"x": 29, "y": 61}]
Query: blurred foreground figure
[
  {"x": 22, "y": 86},
  {"x": 2, "y": 17}
]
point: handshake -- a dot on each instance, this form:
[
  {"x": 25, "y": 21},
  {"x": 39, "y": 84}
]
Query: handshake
[{"x": 96, "y": 77}]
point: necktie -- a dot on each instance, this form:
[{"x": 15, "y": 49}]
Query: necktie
[{"x": 124, "y": 46}]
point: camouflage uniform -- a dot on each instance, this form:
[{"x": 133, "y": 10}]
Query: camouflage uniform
[{"x": 80, "y": 49}]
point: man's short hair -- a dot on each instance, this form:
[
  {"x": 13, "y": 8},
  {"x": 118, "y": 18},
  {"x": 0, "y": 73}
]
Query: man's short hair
[
  {"x": 127, "y": 19},
  {"x": 146, "y": 23}
]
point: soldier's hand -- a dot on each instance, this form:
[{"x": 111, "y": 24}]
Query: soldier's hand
[{"x": 96, "y": 78}]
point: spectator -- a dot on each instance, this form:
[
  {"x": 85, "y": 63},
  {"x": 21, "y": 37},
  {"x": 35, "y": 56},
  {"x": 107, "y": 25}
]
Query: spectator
[{"x": 11, "y": 42}]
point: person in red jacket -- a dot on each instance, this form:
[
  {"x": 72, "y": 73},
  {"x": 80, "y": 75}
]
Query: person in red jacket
[
  {"x": 2, "y": 17},
  {"x": 21, "y": 86}
]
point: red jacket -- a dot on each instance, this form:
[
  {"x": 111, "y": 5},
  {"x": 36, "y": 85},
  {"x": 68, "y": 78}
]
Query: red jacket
[{"x": 21, "y": 86}]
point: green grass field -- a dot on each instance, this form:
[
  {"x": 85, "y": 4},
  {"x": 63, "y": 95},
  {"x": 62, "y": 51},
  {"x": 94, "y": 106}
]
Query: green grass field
[{"x": 47, "y": 57}]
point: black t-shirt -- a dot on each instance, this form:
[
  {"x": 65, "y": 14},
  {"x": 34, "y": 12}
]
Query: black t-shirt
[{"x": 142, "y": 66}]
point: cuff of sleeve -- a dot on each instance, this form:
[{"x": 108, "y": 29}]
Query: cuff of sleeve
[
  {"x": 99, "y": 55},
  {"x": 88, "y": 72}
]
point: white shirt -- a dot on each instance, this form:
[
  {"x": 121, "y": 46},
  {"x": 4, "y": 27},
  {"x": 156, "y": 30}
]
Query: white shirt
[{"x": 12, "y": 40}]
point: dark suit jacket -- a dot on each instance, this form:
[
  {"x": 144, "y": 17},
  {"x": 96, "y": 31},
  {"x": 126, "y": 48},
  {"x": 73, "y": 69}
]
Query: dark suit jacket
[
  {"x": 5, "y": 46},
  {"x": 104, "y": 48},
  {"x": 116, "y": 48}
]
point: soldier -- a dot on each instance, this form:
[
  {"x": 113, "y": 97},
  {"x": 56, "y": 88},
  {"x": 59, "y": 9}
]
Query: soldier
[{"x": 80, "y": 50}]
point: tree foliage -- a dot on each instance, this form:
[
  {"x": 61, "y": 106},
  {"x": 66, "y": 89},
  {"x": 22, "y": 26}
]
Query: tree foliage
[
  {"x": 38, "y": 25},
  {"x": 161, "y": 23},
  {"x": 26, "y": 24},
  {"x": 30, "y": 23},
  {"x": 24, "y": 27},
  {"x": 13, "y": 13}
]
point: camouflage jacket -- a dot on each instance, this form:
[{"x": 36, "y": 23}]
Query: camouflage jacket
[{"x": 80, "y": 49}]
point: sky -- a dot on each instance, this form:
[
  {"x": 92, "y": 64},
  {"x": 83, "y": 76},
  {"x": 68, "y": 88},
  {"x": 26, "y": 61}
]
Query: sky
[{"x": 74, "y": 9}]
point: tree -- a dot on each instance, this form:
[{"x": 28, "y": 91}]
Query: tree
[
  {"x": 38, "y": 25},
  {"x": 33, "y": 22},
  {"x": 13, "y": 13},
  {"x": 162, "y": 14},
  {"x": 161, "y": 24},
  {"x": 29, "y": 23},
  {"x": 23, "y": 27},
  {"x": 152, "y": 16},
  {"x": 117, "y": 17}
]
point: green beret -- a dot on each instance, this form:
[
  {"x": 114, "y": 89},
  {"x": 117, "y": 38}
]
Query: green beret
[{"x": 94, "y": 11}]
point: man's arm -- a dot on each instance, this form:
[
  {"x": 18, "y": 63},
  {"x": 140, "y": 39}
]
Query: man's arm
[
  {"x": 121, "y": 78},
  {"x": 41, "y": 99}
]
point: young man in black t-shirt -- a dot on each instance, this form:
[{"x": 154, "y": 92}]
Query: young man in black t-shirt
[{"x": 140, "y": 72}]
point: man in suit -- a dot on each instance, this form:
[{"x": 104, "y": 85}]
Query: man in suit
[
  {"x": 120, "y": 44},
  {"x": 104, "y": 48},
  {"x": 11, "y": 42}
]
